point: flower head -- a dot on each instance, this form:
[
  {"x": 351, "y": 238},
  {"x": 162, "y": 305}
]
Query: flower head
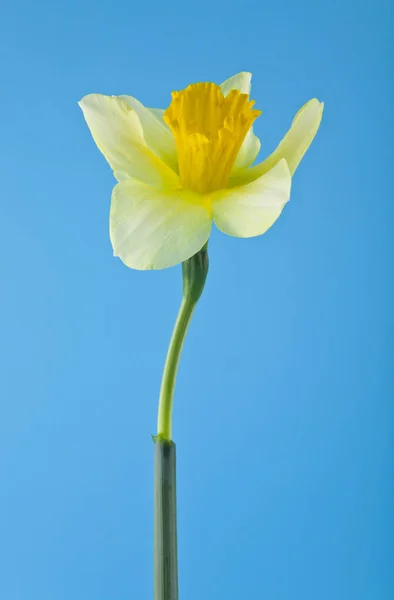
[{"x": 180, "y": 169}]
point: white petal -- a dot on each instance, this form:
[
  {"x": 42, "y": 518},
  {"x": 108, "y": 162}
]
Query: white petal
[
  {"x": 248, "y": 152},
  {"x": 250, "y": 210},
  {"x": 299, "y": 137},
  {"x": 293, "y": 146},
  {"x": 240, "y": 82},
  {"x": 155, "y": 229},
  {"x": 117, "y": 131},
  {"x": 157, "y": 134}
]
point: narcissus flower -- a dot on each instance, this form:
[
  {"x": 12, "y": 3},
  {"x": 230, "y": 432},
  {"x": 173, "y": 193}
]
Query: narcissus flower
[{"x": 182, "y": 168}]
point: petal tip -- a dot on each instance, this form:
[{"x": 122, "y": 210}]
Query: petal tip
[
  {"x": 248, "y": 76},
  {"x": 317, "y": 103},
  {"x": 84, "y": 101}
]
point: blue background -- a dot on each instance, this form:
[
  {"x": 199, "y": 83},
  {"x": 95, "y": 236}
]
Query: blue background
[{"x": 283, "y": 417}]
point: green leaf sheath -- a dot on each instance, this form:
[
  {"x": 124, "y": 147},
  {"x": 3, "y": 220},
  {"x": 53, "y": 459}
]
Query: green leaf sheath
[{"x": 165, "y": 522}]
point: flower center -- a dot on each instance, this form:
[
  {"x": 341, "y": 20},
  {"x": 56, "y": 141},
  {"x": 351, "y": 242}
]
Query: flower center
[{"x": 209, "y": 129}]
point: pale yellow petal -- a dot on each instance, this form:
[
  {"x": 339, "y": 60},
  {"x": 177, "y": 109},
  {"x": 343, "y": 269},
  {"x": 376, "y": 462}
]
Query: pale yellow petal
[
  {"x": 293, "y": 146},
  {"x": 248, "y": 152},
  {"x": 155, "y": 229},
  {"x": 240, "y": 82},
  {"x": 117, "y": 131},
  {"x": 250, "y": 210},
  {"x": 298, "y": 139},
  {"x": 157, "y": 134}
]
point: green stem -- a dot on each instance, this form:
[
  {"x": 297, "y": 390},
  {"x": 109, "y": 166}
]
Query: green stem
[
  {"x": 164, "y": 418},
  {"x": 194, "y": 273}
]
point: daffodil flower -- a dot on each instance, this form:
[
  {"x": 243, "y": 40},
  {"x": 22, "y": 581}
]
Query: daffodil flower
[
  {"x": 178, "y": 171},
  {"x": 182, "y": 168}
]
